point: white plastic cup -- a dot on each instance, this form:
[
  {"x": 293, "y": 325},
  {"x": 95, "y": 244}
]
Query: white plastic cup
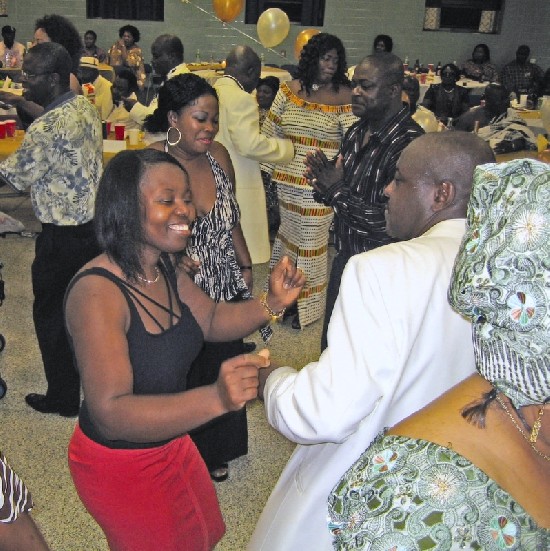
[
  {"x": 133, "y": 136},
  {"x": 523, "y": 100}
]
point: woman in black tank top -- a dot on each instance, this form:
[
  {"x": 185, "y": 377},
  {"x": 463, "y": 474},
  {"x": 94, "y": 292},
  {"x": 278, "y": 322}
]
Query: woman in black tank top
[{"x": 136, "y": 321}]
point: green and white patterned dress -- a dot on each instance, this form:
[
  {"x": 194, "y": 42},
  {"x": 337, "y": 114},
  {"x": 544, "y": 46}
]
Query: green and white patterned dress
[{"x": 407, "y": 494}]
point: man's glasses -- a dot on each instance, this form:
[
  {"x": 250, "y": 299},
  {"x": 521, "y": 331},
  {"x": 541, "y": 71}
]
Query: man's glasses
[{"x": 30, "y": 76}]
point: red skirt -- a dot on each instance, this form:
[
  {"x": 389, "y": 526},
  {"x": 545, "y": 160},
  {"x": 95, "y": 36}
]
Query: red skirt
[{"x": 147, "y": 499}]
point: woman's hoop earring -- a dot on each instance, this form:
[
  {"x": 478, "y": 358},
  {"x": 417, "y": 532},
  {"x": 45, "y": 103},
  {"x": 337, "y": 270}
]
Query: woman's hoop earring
[{"x": 168, "y": 136}]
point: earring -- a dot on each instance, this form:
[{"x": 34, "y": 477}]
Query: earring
[{"x": 168, "y": 136}]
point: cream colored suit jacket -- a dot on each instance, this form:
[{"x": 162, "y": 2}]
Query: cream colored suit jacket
[{"x": 240, "y": 133}]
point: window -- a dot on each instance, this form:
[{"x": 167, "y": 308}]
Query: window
[
  {"x": 480, "y": 16},
  {"x": 139, "y": 10},
  {"x": 302, "y": 12}
]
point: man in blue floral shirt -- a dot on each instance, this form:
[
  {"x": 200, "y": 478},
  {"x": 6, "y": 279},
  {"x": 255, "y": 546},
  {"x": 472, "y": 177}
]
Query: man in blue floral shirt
[{"x": 60, "y": 159}]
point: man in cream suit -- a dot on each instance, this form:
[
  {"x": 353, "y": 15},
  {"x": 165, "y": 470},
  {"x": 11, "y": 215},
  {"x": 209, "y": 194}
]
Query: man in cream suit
[
  {"x": 394, "y": 343},
  {"x": 240, "y": 133}
]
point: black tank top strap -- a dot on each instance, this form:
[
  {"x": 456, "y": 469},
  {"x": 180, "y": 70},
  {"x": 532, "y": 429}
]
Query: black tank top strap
[{"x": 133, "y": 294}]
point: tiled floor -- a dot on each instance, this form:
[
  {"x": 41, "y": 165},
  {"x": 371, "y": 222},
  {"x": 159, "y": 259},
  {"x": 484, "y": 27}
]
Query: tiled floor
[{"x": 36, "y": 444}]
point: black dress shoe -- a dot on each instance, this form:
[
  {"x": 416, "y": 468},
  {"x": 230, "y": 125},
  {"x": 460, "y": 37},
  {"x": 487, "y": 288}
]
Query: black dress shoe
[
  {"x": 249, "y": 347},
  {"x": 296, "y": 322},
  {"x": 40, "y": 403},
  {"x": 219, "y": 473}
]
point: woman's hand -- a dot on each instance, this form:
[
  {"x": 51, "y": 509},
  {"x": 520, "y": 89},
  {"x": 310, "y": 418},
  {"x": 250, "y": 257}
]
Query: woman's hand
[
  {"x": 238, "y": 380},
  {"x": 285, "y": 283}
]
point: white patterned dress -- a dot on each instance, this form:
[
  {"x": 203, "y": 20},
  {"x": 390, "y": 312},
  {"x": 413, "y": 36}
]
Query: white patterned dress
[{"x": 304, "y": 230}]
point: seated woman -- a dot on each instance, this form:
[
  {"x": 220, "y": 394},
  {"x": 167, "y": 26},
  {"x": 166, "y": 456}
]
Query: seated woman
[
  {"x": 447, "y": 100},
  {"x": 382, "y": 43},
  {"x": 136, "y": 322},
  {"x": 472, "y": 469},
  {"x": 422, "y": 116},
  {"x": 480, "y": 66}
]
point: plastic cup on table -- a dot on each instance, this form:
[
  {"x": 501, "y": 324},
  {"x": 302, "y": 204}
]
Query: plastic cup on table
[
  {"x": 423, "y": 78},
  {"x": 10, "y": 128},
  {"x": 120, "y": 127},
  {"x": 2, "y": 130},
  {"x": 133, "y": 136}
]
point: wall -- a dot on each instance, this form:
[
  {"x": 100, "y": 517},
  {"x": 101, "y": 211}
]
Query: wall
[{"x": 356, "y": 22}]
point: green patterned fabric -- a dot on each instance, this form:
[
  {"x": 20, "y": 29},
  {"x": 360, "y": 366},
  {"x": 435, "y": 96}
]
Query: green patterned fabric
[
  {"x": 501, "y": 277},
  {"x": 405, "y": 494}
]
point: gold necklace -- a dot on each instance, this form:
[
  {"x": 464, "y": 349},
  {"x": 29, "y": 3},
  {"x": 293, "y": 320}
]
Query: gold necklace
[
  {"x": 522, "y": 432},
  {"x": 150, "y": 281}
]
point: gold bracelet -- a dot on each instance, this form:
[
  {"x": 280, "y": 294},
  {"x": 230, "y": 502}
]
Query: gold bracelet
[{"x": 273, "y": 316}]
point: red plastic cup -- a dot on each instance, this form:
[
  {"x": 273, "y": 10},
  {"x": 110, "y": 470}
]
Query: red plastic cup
[
  {"x": 120, "y": 127},
  {"x": 2, "y": 130},
  {"x": 10, "y": 128},
  {"x": 423, "y": 78}
]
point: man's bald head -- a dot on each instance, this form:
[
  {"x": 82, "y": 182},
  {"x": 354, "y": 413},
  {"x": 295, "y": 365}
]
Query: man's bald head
[
  {"x": 452, "y": 156},
  {"x": 377, "y": 88},
  {"x": 433, "y": 181},
  {"x": 243, "y": 63},
  {"x": 390, "y": 67}
]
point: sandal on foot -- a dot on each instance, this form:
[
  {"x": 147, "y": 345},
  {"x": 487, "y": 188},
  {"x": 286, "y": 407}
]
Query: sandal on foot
[{"x": 220, "y": 473}]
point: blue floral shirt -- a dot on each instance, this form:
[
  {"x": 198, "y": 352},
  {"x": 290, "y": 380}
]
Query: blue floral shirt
[
  {"x": 61, "y": 160},
  {"x": 405, "y": 494}
]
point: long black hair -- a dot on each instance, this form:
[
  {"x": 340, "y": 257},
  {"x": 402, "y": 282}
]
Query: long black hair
[
  {"x": 308, "y": 66},
  {"x": 175, "y": 94},
  {"x": 118, "y": 207}
]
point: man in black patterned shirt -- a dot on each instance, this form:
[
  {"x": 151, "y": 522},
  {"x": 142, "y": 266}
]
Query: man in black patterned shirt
[{"x": 353, "y": 183}]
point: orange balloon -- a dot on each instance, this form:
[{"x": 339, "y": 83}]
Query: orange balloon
[
  {"x": 227, "y": 10},
  {"x": 302, "y": 39}
]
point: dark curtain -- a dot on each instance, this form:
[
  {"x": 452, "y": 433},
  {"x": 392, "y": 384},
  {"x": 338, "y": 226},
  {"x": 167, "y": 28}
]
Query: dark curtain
[
  {"x": 304, "y": 12},
  {"x": 140, "y": 10}
]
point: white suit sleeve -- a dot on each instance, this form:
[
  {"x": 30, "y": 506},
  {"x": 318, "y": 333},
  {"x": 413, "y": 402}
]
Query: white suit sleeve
[
  {"x": 244, "y": 129},
  {"x": 328, "y": 399}
]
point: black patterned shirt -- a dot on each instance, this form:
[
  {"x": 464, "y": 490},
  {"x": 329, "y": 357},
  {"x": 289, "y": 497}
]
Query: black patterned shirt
[{"x": 358, "y": 200}]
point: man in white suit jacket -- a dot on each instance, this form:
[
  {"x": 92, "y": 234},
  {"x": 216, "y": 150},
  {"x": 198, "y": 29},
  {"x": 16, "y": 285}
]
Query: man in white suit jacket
[
  {"x": 394, "y": 343},
  {"x": 240, "y": 133}
]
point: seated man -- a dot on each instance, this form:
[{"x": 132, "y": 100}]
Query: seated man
[
  {"x": 422, "y": 116},
  {"x": 91, "y": 49},
  {"x": 11, "y": 52},
  {"x": 521, "y": 76},
  {"x": 167, "y": 59},
  {"x": 385, "y": 341},
  {"x": 447, "y": 100},
  {"x": 89, "y": 74},
  {"x": 497, "y": 101},
  {"x": 125, "y": 87}
]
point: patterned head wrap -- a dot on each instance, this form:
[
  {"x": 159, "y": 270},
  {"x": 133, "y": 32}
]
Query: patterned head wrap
[{"x": 501, "y": 277}]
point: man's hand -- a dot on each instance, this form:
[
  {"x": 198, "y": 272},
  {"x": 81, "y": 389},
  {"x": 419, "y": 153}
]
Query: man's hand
[
  {"x": 11, "y": 100},
  {"x": 321, "y": 173}
]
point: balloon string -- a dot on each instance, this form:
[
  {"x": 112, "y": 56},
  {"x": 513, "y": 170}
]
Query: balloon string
[{"x": 225, "y": 24}]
